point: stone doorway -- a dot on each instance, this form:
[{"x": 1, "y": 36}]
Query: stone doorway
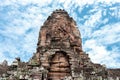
[{"x": 59, "y": 66}]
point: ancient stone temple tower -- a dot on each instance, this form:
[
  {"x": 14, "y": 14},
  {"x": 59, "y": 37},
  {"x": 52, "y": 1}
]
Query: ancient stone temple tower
[
  {"x": 59, "y": 56},
  {"x": 59, "y": 45},
  {"x": 59, "y": 49}
]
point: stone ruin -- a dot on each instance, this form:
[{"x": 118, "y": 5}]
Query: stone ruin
[
  {"x": 59, "y": 51},
  {"x": 59, "y": 55}
]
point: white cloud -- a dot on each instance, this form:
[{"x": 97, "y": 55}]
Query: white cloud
[
  {"x": 84, "y": 2},
  {"x": 93, "y": 44},
  {"x": 108, "y": 1},
  {"x": 115, "y": 12},
  {"x": 93, "y": 19},
  {"x": 99, "y": 54},
  {"x": 109, "y": 34},
  {"x": 100, "y": 40}
]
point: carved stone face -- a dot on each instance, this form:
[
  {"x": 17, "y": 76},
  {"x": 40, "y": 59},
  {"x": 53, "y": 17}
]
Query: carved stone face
[
  {"x": 59, "y": 66},
  {"x": 60, "y": 30}
]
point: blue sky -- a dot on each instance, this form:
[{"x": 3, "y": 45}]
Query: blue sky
[{"x": 97, "y": 20}]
